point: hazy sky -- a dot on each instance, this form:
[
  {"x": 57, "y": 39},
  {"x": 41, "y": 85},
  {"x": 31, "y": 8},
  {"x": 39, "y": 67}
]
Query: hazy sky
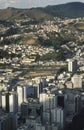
[{"x": 32, "y": 3}]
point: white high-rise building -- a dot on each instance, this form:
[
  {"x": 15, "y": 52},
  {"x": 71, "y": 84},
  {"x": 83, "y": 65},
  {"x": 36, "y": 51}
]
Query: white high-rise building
[
  {"x": 9, "y": 102},
  {"x": 13, "y": 104},
  {"x": 48, "y": 101},
  {"x": 22, "y": 96},
  {"x": 72, "y": 65},
  {"x": 43, "y": 81},
  {"x": 25, "y": 94},
  {"x": 4, "y": 101},
  {"x": 77, "y": 81}
]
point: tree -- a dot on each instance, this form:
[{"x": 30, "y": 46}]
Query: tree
[{"x": 57, "y": 42}]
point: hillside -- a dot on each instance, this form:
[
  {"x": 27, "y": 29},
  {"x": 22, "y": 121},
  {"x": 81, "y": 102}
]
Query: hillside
[
  {"x": 72, "y": 10},
  {"x": 13, "y": 13}
]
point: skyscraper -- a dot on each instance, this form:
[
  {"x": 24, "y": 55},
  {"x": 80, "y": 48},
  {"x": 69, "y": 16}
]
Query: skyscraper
[
  {"x": 22, "y": 96},
  {"x": 8, "y": 121},
  {"x": 9, "y": 101},
  {"x": 72, "y": 65}
]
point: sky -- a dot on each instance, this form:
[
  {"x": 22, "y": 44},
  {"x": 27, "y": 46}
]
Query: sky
[{"x": 32, "y": 3}]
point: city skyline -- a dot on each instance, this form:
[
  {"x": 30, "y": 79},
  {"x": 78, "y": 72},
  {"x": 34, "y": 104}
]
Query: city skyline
[{"x": 34, "y": 3}]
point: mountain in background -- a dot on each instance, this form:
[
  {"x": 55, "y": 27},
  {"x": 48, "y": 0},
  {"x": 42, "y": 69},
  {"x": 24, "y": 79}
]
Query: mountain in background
[
  {"x": 71, "y": 10},
  {"x": 14, "y": 13}
]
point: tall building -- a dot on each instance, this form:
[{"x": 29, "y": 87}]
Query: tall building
[
  {"x": 48, "y": 100},
  {"x": 3, "y": 101},
  {"x": 9, "y": 101},
  {"x": 77, "y": 81},
  {"x": 24, "y": 110},
  {"x": 77, "y": 104},
  {"x": 0, "y": 99},
  {"x": 82, "y": 100},
  {"x": 60, "y": 101},
  {"x": 60, "y": 117},
  {"x": 40, "y": 127},
  {"x": 34, "y": 91},
  {"x": 70, "y": 107},
  {"x": 24, "y": 127},
  {"x": 8, "y": 121},
  {"x": 53, "y": 117},
  {"x": 34, "y": 110},
  {"x": 72, "y": 65},
  {"x": 13, "y": 102},
  {"x": 43, "y": 81},
  {"x": 22, "y": 96},
  {"x": 25, "y": 94}
]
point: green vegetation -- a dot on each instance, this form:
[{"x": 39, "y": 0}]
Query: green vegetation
[
  {"x": 6, "y": 23},
  {"x": 5, "y": 54},
  {"x": 54, "y": 41},
  {"x": 44, "y": 42},
  {"x": 12, "y": 31},
  {"x": 52, "y": 56},
  {"x": 57, "y": 42},
  {"x": 10, "y": 41}
]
